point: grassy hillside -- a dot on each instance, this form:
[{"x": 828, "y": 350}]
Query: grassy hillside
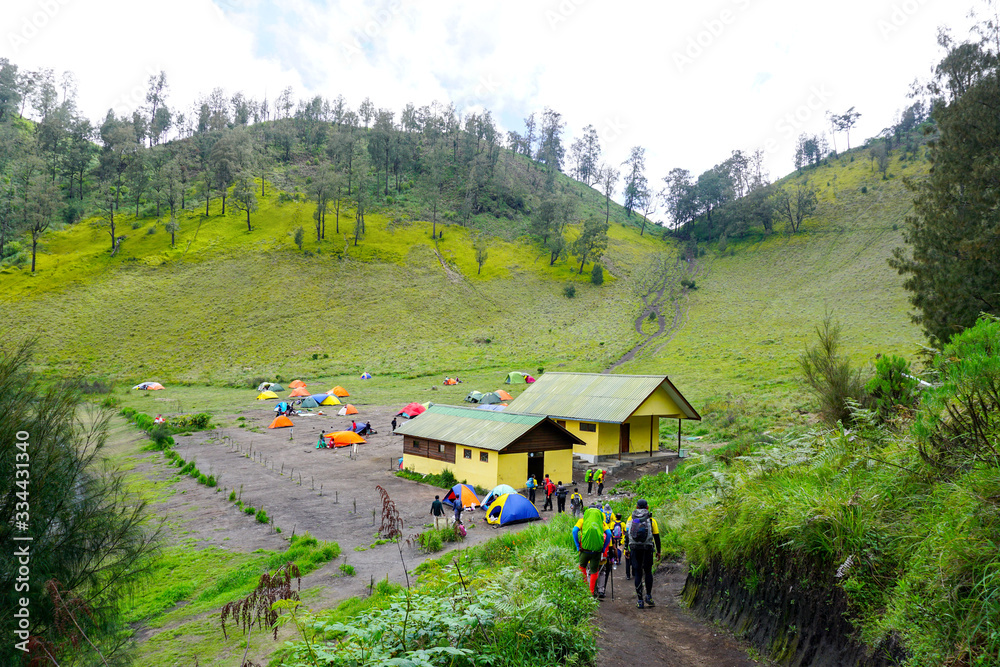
[
  {"x": 225, "y": 305},
  {"x": 757, "y": 303}
]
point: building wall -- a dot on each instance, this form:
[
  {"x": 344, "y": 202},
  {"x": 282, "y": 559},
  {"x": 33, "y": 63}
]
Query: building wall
[
  {"x": 639, "y": 434},
  {"x": 658, "y": 403},
  {"x": 473, "y": 470},
  {"x": 590, "y": 438},
  {"x": 513, "y": 469},
  {"x": 559, "y": 466}
]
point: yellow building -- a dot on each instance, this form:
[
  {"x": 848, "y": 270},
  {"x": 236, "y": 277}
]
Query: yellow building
[
  {"x": 611, "y": 414},
  {"x": 486, "y": 448}
]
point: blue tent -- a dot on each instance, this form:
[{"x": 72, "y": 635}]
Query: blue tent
[
  {"x": 468, "y": 495},
  {"x": 497, "y": 491},
  {"x": 319, "y": 398},
  {"x": 511, "y": 508},
  {"x": 366, "y": 376}
]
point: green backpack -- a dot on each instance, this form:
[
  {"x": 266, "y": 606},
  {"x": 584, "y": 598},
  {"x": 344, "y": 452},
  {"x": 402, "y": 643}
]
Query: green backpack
[{"x": 592, "y": 533}]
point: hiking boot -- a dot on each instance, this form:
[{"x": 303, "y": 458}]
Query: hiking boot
[
  {"x": 639, "y": 604},
  {"x": 600, "y": 596},
  {"x": 649, "y": 602}
]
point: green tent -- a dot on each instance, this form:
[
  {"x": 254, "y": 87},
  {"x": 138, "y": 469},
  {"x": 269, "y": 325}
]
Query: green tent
[
  {"x": 490, "y": 398},
  {"x": 308, "y": 402},
  {"x": 515, "y": 378},
  {"x": 474, "y": 397}
]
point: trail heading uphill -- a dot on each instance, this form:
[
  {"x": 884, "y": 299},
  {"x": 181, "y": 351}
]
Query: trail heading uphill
[{"x": 664, "y": 300}]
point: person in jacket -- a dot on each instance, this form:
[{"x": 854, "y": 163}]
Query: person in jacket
[
  {"x": 530, "y": 485},
  {"x": 561, "y": 493},
  {"x": 550, "y": 489},
  {"x": 642, "y": 536},
  {"x": 437, "y": 511},
  {"x": 588, "y": 477},
  {"x": 592, "y": 559},
  {"x": 599, "y": 478},
  {"x": 576, "y": 503}
]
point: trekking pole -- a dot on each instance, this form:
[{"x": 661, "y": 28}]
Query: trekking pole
[{"x": 611, "y": 573}]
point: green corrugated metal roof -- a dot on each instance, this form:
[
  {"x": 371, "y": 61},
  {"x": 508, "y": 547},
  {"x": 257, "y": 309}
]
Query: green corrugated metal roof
[
  {"x": 594, "y": 397},
  {"x": 470, "y": 426}
]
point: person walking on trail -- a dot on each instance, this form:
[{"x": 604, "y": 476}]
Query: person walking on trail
[
  {"x": 599, "y": 478},
  {"x": 588, "y": 477},
  {"x": 641, "y": 536},
  {"x": 561, "y": 493},
  {"x": 614, "y": 553},
  {"x": 437, "y": 509},
  {"x": 576, "y": 503},
  {"x": 550, "y": 488},
  {"x": 393, "y": 424},
  {"x": 531, "y": 485},
  {"x": 458, "y": 512},
  {"x": 591, "y": 539}
]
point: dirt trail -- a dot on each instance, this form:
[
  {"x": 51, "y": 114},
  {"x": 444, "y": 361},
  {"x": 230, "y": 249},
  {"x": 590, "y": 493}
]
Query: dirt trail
[
  {"x": 665, "y": 635},
  {"x": 663, "y": 298}
]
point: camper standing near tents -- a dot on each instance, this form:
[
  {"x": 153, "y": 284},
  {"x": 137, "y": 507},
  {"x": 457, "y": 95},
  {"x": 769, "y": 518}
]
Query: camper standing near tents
[
  {"x": 437, "y": 509},
  {"x": 550, "y": 488},
  {"x": 530, "y": 485},
  {"x": 641, "y": 535},
  {"x": 591, "y": 538},
  {"x": 561, "y": 493},
  {"x": 393, "y": 424}
]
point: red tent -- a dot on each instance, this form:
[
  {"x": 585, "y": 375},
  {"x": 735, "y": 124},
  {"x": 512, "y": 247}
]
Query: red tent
[{"x": 411, "y": 411}]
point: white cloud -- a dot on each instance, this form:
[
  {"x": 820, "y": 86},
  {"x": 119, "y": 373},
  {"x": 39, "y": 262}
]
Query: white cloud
[{"x": 689, "y": 82}]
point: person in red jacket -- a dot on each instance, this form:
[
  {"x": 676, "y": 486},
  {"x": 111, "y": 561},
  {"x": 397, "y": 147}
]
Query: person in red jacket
[{"x": 550, "y": 488}]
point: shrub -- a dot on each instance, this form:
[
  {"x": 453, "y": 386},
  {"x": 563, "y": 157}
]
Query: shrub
[
  {"x": 261, "y": 516},
  {"x": 202, "y": 479},
  {"x": 891, "y": 389},
  {"x": 196, "y": 422},
  {"x": 597, "y": 275},
  {"x": 160, "y": 435},
  {"x": 959, "y": 424},
  {"x": 864, "y": 188},
  {"x": 128, "y": 413},
  {"x": 569, "y": 291},
  {"x": 430, "y": 541},
  {"x": 830, "y": 375},
  {"x": 249, "y": 510},
  {"x": 347, "y": 570},
  {"x": 690, "y": 284},
  {"x": 211, "y": 482},
  {"x": 232, "y": 496}
]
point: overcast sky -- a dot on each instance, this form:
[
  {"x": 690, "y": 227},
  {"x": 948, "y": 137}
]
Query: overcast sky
[{"x": 689, "y": 81}]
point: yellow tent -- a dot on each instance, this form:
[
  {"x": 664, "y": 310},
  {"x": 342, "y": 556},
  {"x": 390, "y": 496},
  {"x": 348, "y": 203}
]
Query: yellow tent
[
  {"x": 330, "y": 400},
  {"x": 264, "y": 395}
]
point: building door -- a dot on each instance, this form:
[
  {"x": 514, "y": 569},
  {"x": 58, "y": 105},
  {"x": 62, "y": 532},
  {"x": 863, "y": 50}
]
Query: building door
[
  {"x": 536, "y": 465},
  {"x": 623, "y": 434}
]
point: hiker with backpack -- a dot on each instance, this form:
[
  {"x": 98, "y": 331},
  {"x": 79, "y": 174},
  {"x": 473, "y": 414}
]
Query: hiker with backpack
[
  {"x": 614, "y": 552},
  {"x": 550, "y": 488},
  {"x": 599, "y": 478},
  {"x": 576, "y": 503},
  {"x": 530, "y": 485},
  {"x": 642, "y": 535},
  {"x": 561, "y": 493},
  {"x": 591, "y": 538},
  {"x": 588, "y": 477}
]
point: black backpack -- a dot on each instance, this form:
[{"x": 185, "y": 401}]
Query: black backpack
[{"x": 640, "y": 533}]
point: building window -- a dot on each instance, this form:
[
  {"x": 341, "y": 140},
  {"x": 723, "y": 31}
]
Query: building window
[
  {"x": 484, "y": 457},
  {"x": 441, "y": 448},
  {"x": 467, "y": 453},
  {"x": 561, "y": 422},
  {"x": 416, "y": 444},
  {"x": 584, "y": 426}
]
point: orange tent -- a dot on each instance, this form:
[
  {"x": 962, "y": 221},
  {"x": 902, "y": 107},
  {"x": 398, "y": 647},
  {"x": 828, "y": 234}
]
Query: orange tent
[
  {"x": 338, "y": 391},
  {"x": 295, "y": 384},
  {"x": 504, "y": 395},
  {"x": 299, "y": 391},
  {"x": 343, "y": 438},
  {"x": 348, "y": 410},
  {"x": 281, "y": 422}
]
